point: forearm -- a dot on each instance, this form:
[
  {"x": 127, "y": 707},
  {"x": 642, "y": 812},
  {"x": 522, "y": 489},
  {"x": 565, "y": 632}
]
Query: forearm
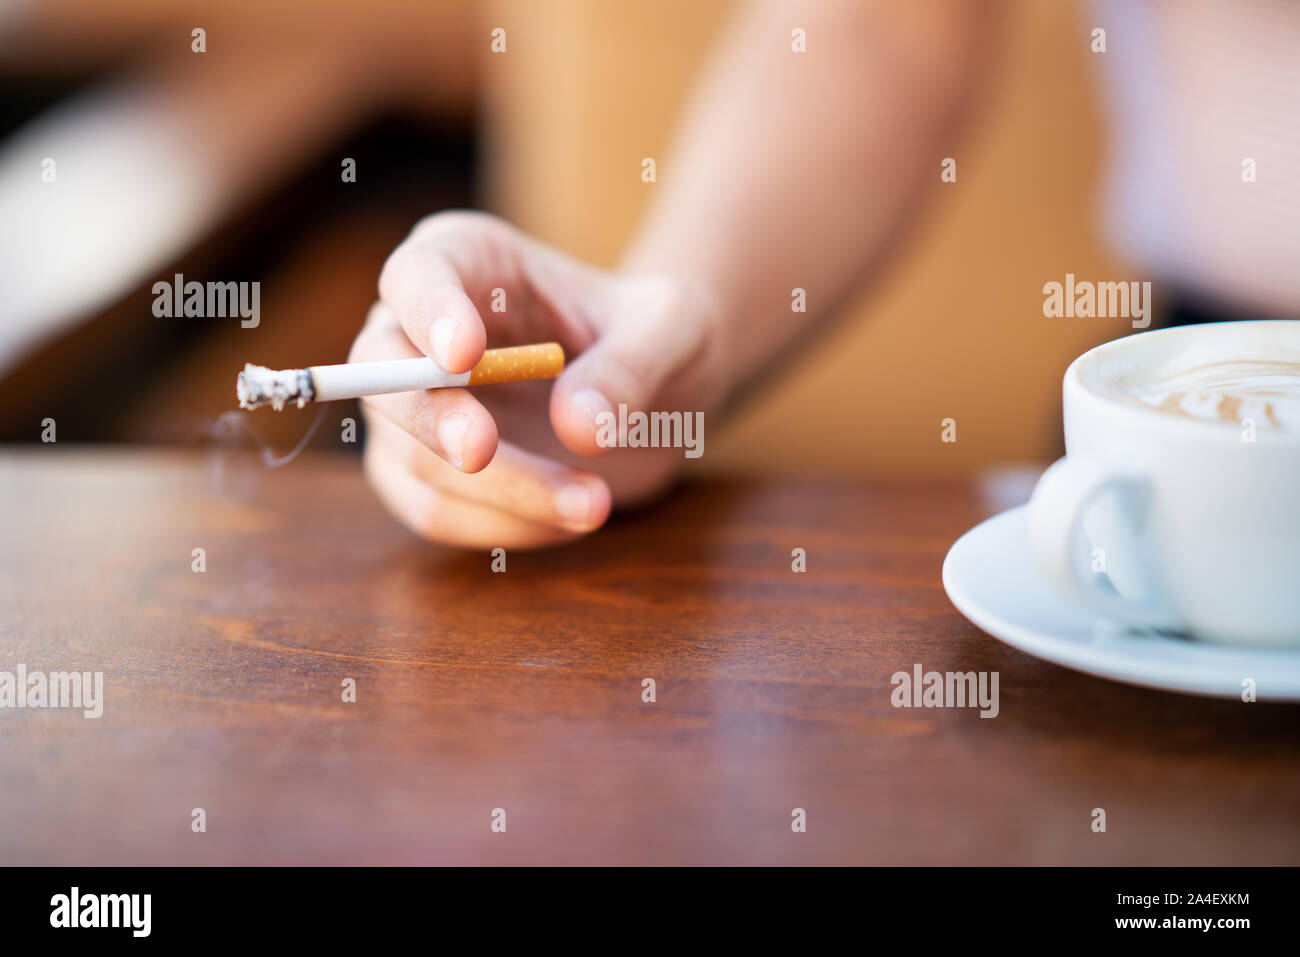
[{"x": 801, "y": 169}]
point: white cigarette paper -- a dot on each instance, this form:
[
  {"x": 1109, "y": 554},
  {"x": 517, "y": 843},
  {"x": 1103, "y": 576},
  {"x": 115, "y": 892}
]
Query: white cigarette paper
[{"x": 355, "y": 379}]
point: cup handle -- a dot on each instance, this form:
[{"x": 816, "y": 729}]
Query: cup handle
[{"x": 1056, "y": 512}]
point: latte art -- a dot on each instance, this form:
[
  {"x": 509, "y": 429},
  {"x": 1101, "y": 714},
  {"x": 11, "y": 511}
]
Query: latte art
[{"x": 1265, "y": 391}]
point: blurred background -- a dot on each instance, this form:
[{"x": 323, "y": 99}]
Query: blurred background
[{"x": 226, "y": 166}]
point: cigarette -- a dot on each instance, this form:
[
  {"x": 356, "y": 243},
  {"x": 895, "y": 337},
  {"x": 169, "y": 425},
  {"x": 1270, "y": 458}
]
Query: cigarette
[{"x": 258, "y": 386}]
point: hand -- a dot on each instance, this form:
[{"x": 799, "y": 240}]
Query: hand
[{"x": 505, "y": 466}]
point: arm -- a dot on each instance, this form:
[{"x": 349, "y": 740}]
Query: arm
[{"x": 803, "y": 169}]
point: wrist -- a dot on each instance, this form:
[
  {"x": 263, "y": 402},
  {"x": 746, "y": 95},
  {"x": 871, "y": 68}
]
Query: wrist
[{"x": 710, "y": 378}]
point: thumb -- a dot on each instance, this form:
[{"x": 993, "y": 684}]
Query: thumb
[{"x": 655, "y": 335}]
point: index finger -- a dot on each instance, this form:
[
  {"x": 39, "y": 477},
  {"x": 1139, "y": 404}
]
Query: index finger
[{"x": 425, "y": 286}]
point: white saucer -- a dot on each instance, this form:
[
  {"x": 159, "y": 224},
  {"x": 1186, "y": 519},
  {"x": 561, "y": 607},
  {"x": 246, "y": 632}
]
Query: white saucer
[{"x": 992, "y": 579}]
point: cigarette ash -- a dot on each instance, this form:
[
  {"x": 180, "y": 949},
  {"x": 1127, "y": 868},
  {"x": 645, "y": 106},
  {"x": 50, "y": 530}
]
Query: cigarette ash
[{"x": 258, "y": 386}]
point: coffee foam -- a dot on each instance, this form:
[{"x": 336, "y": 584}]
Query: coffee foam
[{"x": 1218, "y": 374}]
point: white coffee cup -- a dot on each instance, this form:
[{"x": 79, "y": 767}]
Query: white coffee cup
[{"x": 1169, "y": 520}]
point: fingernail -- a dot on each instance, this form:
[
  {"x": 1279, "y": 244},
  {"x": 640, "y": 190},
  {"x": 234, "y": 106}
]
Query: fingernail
[
  {"x": 451, "y": 433},
  {"x": 573, "y": 502},
  {"x": 593, "y": 403},
  {"x": 443, "y": 331}
]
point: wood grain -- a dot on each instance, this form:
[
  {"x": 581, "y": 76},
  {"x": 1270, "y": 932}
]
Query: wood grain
[{"x": 522, "y": 690}]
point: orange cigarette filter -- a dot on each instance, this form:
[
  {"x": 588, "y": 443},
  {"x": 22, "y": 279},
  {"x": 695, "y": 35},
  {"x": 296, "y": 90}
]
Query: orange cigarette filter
[{"x": 545, "y": 360}]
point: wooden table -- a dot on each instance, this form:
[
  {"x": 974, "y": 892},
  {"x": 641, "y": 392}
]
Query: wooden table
[{"x": 523, "y": 690}]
